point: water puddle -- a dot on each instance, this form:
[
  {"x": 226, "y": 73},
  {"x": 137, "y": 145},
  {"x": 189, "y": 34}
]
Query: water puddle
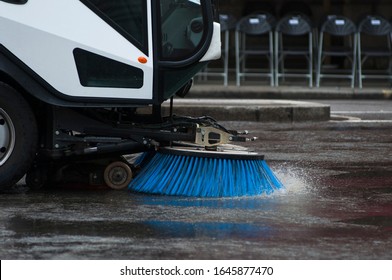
[
  {"x": 145, "y": 229},
  {"x": 383, "y": 222}
]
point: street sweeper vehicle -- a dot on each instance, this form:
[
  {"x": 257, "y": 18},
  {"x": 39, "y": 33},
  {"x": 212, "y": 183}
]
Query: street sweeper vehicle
[{"x": 82, "y": 84}]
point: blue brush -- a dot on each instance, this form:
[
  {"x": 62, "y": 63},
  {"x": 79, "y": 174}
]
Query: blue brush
[{"x": 185, "y": 172}]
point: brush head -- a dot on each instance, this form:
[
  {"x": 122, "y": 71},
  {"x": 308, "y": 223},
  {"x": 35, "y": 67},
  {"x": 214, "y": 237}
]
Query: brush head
[{"x": 193, "y": 171}]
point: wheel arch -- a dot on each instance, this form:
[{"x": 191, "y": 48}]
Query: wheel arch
[
  {"x": 12, "y": 73},
  {"x": 34, "y": 103}
]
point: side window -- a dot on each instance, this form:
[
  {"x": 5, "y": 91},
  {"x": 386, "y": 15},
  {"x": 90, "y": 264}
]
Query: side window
[
  {"x": 98, "y": 71},
  {"x": 128, "y": 17},
  {"x": 182, "y": 28}
]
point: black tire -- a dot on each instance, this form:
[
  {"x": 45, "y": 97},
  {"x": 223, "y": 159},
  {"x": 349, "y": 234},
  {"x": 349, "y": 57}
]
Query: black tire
[
  {"x": 118, "y": 175},
  {"x": 18, "y": 136}
]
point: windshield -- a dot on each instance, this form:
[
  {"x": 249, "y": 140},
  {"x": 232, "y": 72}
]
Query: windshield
[{"x": 182, "y": 28}]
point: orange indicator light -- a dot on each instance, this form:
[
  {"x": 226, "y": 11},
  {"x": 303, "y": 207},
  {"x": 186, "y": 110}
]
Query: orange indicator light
[{"x": 142, "y": 59}]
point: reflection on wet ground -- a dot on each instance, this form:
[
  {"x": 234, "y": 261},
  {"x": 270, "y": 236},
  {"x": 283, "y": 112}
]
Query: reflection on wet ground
[{"x": 337, "y": 204}]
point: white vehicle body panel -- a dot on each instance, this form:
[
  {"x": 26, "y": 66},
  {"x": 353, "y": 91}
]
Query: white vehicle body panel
[
  {"x": 214, "y": 51},
  {"x": 44, "y": 33}
]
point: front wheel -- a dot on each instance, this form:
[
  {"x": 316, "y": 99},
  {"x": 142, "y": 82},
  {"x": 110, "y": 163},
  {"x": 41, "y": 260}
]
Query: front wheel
[{"x": 18, "y": 136}]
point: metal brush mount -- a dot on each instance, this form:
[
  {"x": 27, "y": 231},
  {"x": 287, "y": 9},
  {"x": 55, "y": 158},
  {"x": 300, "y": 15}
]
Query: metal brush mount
[{"x": 202, "y": 131}]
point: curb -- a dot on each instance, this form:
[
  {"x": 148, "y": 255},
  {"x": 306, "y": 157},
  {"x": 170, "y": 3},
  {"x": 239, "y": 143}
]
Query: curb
[
  {"x": 251, "y": 110},
  {"x": 288, "y": 92}
]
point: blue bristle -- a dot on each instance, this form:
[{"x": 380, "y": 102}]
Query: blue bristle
[
  {"x": 140, "y": 159},
  {"x": 183, "y": 175}
]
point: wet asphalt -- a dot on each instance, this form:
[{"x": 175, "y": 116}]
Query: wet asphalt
[{"x": 337, "y": 204}]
